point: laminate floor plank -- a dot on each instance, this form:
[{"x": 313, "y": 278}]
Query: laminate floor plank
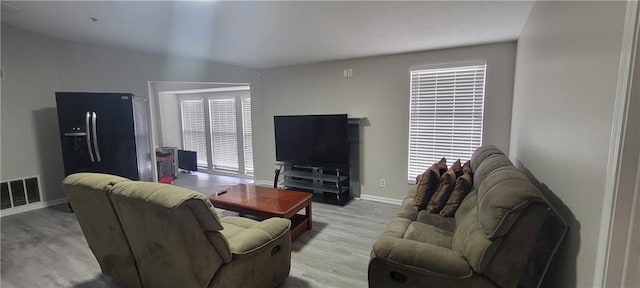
[{"x": 46, "y": 248}]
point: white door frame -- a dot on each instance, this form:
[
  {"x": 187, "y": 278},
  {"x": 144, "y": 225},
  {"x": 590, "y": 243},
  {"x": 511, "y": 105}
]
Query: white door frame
[
  {"x": 616, "y": 250},
  {"x": 155, "y": 122}
]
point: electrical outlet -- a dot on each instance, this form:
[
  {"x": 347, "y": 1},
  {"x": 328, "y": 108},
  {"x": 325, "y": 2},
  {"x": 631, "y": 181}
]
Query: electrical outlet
[{"x": 383, "y": 182}]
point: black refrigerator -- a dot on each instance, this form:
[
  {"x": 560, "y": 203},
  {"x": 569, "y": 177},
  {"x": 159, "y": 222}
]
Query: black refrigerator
[{"x": 105, "y": 133}]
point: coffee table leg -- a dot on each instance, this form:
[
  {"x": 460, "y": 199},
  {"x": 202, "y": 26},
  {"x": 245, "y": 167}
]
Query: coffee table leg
[{"x": 308, "y": 211}]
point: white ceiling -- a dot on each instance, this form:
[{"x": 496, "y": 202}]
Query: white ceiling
[{"x": 271, "y": 34}]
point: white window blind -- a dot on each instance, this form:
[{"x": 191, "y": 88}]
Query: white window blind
[
  {"x": 224, "y": 141},
  {"x": 446, "y": 114},
  {"x": 247, "y": 136},
  {"x": 193, "y": 129}
]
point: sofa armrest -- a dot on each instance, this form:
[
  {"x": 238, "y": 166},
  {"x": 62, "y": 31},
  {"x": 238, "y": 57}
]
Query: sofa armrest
[
  {"x": 258, "y": 236},
  {"x": 426, "y": 257}
]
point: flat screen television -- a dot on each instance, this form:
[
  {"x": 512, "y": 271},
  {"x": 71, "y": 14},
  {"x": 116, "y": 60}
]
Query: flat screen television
[
  {"x": 319, "y": 140},
  {"x": 187, "y": 160}
]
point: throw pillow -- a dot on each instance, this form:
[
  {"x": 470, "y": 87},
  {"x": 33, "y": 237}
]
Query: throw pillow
[
  {"x": 462, "y": 188},
  {"x": 457, "y": 168},
  {"x": 427, "y": 184},
  {"x": 442, "y": 166},
  {"x": 466, "y": 168},
  {"x": 446, "y": 185}
]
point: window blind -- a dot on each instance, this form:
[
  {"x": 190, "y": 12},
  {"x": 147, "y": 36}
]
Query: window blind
[
  {"x": 446, "y": 114},
  {"x": 193, "y": 129},
  {"x": 224, "y": 141},
  {"x": 247, "y": 136}
]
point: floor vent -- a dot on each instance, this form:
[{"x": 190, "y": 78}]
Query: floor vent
[{"x": 19, "y": 192}]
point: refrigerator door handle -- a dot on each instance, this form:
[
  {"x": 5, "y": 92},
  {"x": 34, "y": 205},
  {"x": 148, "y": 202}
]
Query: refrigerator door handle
[
  {"x": 95, "y": 135},
  {"x": 87, "y": 120}
]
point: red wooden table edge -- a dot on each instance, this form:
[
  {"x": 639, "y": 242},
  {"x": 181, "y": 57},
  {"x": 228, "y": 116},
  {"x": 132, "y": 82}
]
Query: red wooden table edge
[{"x": 220, "y": 202}]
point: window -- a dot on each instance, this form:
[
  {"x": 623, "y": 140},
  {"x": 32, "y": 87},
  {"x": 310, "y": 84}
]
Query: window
[
  {"x": 193, "y": 129},
  {"x": 247, "y": 136},
  {"x": 446, "y": 114},
  {"x": 224, "y": 134},
  {"x": 217, "y": 126}
]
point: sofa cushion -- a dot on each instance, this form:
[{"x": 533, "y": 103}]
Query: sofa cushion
[
  {"x": 170, "y": 196},
  {"x": 502, "y": 197},
  {"x": 426, "y": 187},
  {"x": 489, "y": 165},
  {"x": 483, "y": 153},
  {"x": 246, "y": 235},
  {"x": 429, "y": 234},
  {"x": 409, "y": 199},
  {"x": 469, "y": 204},
  {"x": 408, "y": 211},
  {"x": 462, "y": 188},
  {"x": 397, "y": 227},
  {"x": 234, "y": 225},
  {"x": 424, "y": 257},
  {"x": 447, "y": 223},
  {"x": 440, "y": 197},
  {"x": 470, "y": 241}
]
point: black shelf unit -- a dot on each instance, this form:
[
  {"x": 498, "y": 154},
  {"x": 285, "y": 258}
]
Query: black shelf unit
[
  {"x": 328, "y": 184},
  {"x": 335, "y": 185}
]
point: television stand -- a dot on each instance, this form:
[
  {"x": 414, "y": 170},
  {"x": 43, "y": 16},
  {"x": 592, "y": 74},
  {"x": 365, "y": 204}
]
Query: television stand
[{"x": 328, "y": 184}]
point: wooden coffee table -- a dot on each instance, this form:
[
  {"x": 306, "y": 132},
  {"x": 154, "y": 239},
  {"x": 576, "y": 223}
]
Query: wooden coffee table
[{"x": 265, "y": 202}]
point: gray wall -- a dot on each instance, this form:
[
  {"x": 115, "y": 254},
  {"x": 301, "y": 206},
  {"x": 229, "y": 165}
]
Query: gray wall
[
  {"x": 30, "y": 141},
  {"x": 566, "y": 73},
  {"x": 166, "y": 111},
  {"x": 169, "y": 112},
  {"x": 378, "y": 90},
  {"x": 36, "y": 66}
]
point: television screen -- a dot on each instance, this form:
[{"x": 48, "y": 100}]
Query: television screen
[
  {"x": 187, "y": 160},
  {"x": 312, "y": 139}
]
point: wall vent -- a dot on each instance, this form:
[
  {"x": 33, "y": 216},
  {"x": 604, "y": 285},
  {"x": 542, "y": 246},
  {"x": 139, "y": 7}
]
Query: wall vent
[{"x": 19, "y": 192}]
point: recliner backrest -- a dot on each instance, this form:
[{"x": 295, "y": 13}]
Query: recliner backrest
[
  {"x": 88, "y": 195},
  {"x": 173, "y": 233},
  {"x": 501, "y": 197}
]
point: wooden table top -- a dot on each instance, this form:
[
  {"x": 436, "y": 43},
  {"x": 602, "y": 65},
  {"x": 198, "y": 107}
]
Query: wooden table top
[{"x": 264, "y": 199}]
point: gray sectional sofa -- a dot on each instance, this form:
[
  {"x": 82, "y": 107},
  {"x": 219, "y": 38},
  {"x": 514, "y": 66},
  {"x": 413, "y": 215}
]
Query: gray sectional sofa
[{"x": 500, "y": 236}]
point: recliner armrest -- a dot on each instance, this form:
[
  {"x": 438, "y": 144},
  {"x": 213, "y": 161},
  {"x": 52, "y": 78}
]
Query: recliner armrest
[
  {"x": 422, "y": 256},
  {"x": 260, "y": 235}
]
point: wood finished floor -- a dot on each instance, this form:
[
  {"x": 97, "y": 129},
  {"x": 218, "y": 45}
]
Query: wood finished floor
[{"x": 46, "y": 248}]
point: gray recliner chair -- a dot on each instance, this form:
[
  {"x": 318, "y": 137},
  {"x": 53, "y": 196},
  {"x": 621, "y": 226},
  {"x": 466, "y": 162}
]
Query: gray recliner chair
[
  {"x": 88, "y": 194},
  {"x": 158, "y": 235}
]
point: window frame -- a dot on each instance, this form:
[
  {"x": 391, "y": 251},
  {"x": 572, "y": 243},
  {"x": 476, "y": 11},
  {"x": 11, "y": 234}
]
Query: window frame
[
  {"x": 237, "y": 130},
  {"x": 450, "y": 65},
  {"x": 181, "y": 124},
  {"x": 238, "y": 94}
]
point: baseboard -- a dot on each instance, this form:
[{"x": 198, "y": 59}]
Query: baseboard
[
  {"x": 31, "y": 207},
  {"x": 380, "y": 199},
  {"x": 268, "y": 183}
]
